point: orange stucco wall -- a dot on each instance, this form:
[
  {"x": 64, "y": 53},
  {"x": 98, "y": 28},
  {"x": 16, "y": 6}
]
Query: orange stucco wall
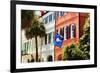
[
  {"x": 70, "y": 18},
  {"x": 83, "y": 16}
]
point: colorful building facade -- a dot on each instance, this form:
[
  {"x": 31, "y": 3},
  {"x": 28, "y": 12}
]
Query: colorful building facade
[
  {"x": 67, "y": 24},
  {"x": 70, "y": 26},
  {"x": 48, "y": 47},
  {"x": 45, "y": 46}
]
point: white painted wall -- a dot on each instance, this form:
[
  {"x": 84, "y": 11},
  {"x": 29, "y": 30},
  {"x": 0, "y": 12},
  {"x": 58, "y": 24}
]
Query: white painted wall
[
  {"x": 5, "y": 37},
  {"x": 48, "y": 49}
]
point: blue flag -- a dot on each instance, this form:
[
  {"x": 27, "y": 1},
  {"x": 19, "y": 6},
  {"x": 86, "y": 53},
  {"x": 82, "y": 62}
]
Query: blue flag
[{"x": 58, "y": 40}]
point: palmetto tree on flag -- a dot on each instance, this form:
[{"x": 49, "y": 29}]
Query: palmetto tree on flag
[{"x": 58, "y": 40}]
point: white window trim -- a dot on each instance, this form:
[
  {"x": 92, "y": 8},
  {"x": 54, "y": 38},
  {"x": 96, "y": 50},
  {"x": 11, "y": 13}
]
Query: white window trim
[{"x": 72, "y": 30}]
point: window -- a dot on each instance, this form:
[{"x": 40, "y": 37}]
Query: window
[
  {"x": 54, "y": 15},
  {"x": 25, "y": 49},
  {"x": 52, "y": 37},
  {"x": 62, "y": 31},
  {"x": 50, "y": 17},
  {"x": 49, "y": 37},
  {"x": 29, "y": 45},
  {"x": 45, "y": 39},
  {"x": 46, "y": 20},
  {"x": 67, "y": 32},
  {"x": 73, "y": 30},
  {"x": 57, "y": 14},
  {"x": 61, "y": 13}
]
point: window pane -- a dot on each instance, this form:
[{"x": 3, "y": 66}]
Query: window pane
[
  {"x": 45, "y": 39},
  {"x": 49, "y": 38},
  {"x": 61, "y": 13},
  {"x": 62, "y": 31},
  {"x": 46, "y": 20},
  {"x": 69, "y": 32},
  {"x": 25, "y": 48},
  {"x": 54, "y": 15},
  {"x": 73, "y": 31},
  {"x": 57, "y": 14},
  {"x": 66, "y": 32},
  {"x": 50, "y": 18}
]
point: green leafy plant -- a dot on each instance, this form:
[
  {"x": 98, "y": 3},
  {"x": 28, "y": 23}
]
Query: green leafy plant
[
  {"x": 72, "y": 53},
  {"x": 84, "y": 42}
]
